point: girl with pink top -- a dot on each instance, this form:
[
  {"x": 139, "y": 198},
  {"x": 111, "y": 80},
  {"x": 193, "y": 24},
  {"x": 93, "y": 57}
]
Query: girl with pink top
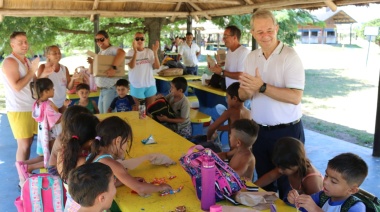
[{"x": 46, "y": 113}]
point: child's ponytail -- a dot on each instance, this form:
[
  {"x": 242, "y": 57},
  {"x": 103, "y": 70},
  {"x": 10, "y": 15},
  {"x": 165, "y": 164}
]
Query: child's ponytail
[
  {"x": 80, "y": 131},
  {"x": 70, "y": 156},
  {"x": 95, "y": 146}
]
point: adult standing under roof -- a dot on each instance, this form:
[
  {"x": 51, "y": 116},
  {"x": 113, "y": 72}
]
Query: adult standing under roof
[
  {"x": 189, "y": 52},
  {"x": 17, "y": 73},
  {"x": 234, "y": 63},
  {"x": 235, "y": 57},
  {"x": 274, "y": 81},
  {"x": 143, "y": 84},
  {"x": 107, "y": 84}
]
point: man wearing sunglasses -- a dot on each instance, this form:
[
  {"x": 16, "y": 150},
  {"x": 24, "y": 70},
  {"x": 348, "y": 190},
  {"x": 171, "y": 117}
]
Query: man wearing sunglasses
[
  {"x": 144, "y": 60},
  {"x": 189, "y": 51},
  {"x": 107, "y": 84}
]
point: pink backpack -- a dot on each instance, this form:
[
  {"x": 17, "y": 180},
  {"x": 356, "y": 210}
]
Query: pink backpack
[
  {"x": 42, "y": 192},
  {"x": 227, "y": 181}
]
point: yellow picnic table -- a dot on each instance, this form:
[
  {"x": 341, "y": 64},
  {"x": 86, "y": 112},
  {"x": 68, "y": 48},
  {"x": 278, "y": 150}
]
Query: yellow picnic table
[{"x": 172, "y": 145}]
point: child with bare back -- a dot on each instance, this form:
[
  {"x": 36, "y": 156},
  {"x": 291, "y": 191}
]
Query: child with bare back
[
  {"x": 235, "y": 111},
  {"x": 243, "y": 136}
]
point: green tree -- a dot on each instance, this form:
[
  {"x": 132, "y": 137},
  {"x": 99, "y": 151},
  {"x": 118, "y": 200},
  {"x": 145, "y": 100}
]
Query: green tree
[
  {"x": 68, "y": 33},
  {"x": 288, "y": 21}
]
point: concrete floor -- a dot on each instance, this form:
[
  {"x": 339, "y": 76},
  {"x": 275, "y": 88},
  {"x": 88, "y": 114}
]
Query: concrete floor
[{"x": 320, "y": 149}]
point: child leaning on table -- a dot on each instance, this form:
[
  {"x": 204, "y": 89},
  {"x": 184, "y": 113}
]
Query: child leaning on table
[
  {"x": 113, "y": 140},
  {"x": 290, "y": 161},
  {"x": 92, "y": 187},
  {"x": 181, "y": 107},
  {"x": 243, "y": 136},
  {"x": 123, "y": 102},
  {"x": 83, "y": 91},
  {"x": 344, "y": 174},
  {"x": 235, "y": 111}
]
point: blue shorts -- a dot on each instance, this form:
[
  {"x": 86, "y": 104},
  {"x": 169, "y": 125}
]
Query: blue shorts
[{"x": 142, "y": 93}]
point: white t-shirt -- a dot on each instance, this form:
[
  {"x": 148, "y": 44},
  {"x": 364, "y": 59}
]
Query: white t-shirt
[
  {"x": 18, "y": 101},
  {"x": 282, "y": 69},
  {"x": 235, "y": 62},
  {"x": 189, "y": 54},
  {"x": 141, "y": 76},
  {"x": 60, "y": 83},
  {"x": 107, "y": 82}
]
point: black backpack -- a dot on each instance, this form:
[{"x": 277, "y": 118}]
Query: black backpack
[
  {"x": 218, "y": 81},
  {"x": 160, "y": 107},
  {"x": 370, "y": 201}
]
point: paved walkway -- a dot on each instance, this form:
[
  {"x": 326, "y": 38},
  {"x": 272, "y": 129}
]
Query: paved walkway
[{"x": 320, "y": 149}]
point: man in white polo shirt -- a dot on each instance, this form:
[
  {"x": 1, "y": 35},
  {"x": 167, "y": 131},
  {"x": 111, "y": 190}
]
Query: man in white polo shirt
[
  {"x": 189, "y": 52},
  {"x": 274, "y": 81}
]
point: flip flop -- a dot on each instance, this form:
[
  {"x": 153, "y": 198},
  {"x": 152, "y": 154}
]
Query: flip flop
[{"x": 22, "y": 170}]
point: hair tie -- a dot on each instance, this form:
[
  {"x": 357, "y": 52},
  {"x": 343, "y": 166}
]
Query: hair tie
[
  {"x": 98, "y": 138},
  {"x": 74, "y": 136}
]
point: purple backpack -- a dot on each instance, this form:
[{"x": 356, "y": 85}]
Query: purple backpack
[
  {"x": 42, "y": 192},
  {"x": 227, "y": 181}
]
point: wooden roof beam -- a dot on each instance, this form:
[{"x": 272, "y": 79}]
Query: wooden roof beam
[
  {"x": 196, "y": 7},
  {"x": 249, "y": 8},
  {"x": 175, "y": 10},
  {"x": 94, "y": 7},
  {"x": 331, "y": 5},
  {"x": 86, "y": 13},
  {"x": 232, "y": 2}
]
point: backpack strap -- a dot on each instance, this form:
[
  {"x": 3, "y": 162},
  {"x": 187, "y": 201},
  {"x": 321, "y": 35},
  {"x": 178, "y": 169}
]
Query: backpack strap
[
  {"x": 349, "y": 202},
  {"x": 35, "y": 186},
  {"x": 55, "y": 184},
  {"x": 323, "y": 198}
]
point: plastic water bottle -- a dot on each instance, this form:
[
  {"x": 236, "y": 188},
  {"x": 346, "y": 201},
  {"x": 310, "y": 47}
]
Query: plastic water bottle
[
  {"x": 208, "y": 182},
  {"x": 142, "y": 110}
]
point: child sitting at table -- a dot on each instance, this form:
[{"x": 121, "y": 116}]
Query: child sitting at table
[
  {"x": 76, "y": 142},
  {"x": 114, "y": 140},
  {"x": 181, "y": 107},
  {"x": 289, "y": 157},
  {"x": 344, "y": 174},
  {"x": 83, "y": 91},
  {"x": 92, "y": 187},
  {"x": 123, "y": 102},
  {"x": 243, "y": 136},
  {"x": 235, "y": 111}
]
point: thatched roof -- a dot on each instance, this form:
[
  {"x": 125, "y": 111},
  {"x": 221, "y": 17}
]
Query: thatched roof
[{"x": 156, "y": 8}]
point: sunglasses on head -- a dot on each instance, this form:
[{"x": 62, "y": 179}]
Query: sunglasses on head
[
  {"x": 139, "y": 38},
  {"x": 99, "y": 39}
]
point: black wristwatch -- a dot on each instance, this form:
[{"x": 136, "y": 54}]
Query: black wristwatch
[
  {"x": 263, "y": 88},
  {"x": 114, "y": 67}
]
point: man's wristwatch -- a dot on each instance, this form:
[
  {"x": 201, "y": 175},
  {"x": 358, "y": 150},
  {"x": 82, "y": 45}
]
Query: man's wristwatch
[
  {"x": 222, "y": 73},
  {"x": 114, "y": 67},
  {"x": 263, "y": 88}
]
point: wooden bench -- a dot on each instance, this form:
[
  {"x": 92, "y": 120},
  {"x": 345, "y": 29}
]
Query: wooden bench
[{"x": 197, "y": 119}]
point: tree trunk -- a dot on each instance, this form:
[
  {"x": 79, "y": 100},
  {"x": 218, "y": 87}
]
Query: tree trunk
[{"x": 153, "y": 26}]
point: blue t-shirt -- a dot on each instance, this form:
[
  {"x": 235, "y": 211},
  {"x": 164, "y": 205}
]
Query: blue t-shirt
[
  {"x": 330, "y": 206},
  {"x": 123, "y": 104}
]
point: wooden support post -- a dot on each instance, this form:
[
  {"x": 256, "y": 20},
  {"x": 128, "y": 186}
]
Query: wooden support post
[
  {"x": 96, "y": 30},
  {"x": 376, "y": 141},
  {"x": 189, "y": 23}
]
